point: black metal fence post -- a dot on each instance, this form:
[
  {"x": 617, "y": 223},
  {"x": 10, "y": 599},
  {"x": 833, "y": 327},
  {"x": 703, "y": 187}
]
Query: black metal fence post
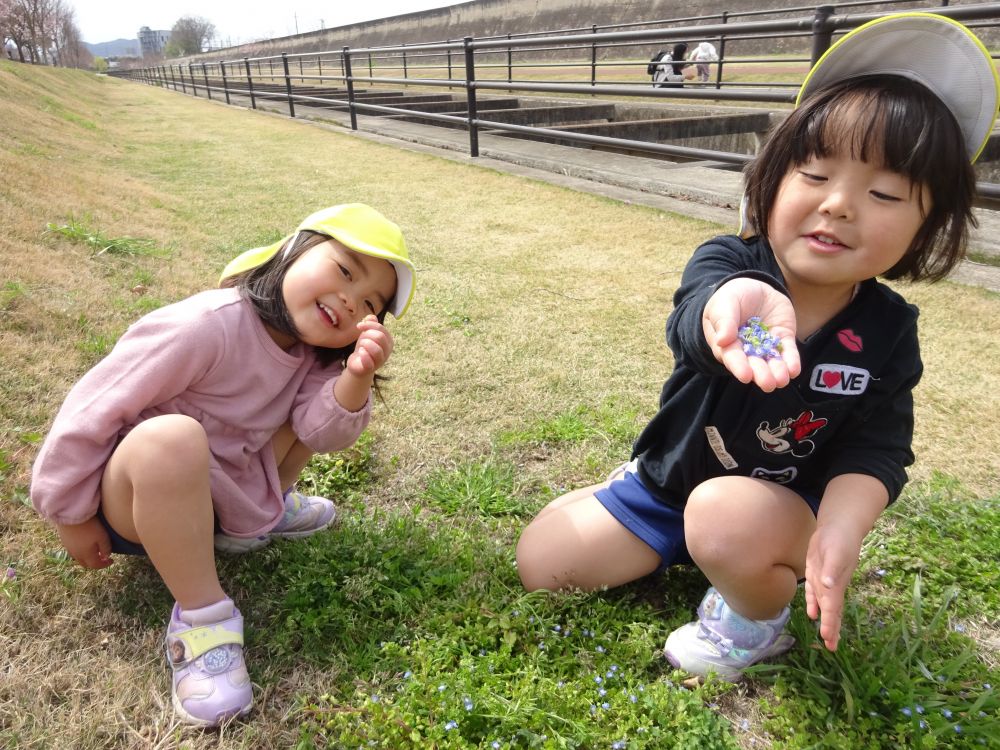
[
  {"x": 253, "y": 100},
  {"x": 405, "y": 72},
  {"x": 349, "y": 80},
  {"x": 510, "y": 62},
  {"x": 173, "y": 77},
  {"x": 319, "y": 67},
  {"x": 225, "y": 81},
  {"x": 204, "y": 73},
  {"x": 470, "y": 89},
  {"x": 302, "y": 78},
  {"x": 593, "y": 59},
  {"x": 288, "y": 85},
  {"x": 180, "y": 69},
  {"x": 194, "y": 88},
  {"x": 449, "y": 61},
  {"x": 822, "y": 32},
  {"x": 722, "y": 52}
]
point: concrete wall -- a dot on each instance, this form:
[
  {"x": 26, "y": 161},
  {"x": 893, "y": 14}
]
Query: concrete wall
[{"x": 500, "y": 17}]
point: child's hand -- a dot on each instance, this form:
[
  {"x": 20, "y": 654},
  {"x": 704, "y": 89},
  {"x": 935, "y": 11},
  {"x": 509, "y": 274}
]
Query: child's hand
[
  {"x": 729, "y": 308},
  {"x": 830, "y": 562},
  {"x": 88, "y": 543},
  {"x": 373, "y": 348}
]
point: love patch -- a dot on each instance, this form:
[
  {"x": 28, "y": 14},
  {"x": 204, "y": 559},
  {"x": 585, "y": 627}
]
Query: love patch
[{"x": 840, "y": 379}]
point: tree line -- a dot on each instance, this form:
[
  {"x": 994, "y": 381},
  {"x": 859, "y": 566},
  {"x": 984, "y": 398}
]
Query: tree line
[
  {"x": 42, "y": 31},
  {"x": 45, "y": 32}
]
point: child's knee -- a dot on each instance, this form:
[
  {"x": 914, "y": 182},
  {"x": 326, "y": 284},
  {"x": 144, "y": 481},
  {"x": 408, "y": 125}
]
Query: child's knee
[
  {"x": 166, "y": 445},
  {"x": 533, "y": 564}
]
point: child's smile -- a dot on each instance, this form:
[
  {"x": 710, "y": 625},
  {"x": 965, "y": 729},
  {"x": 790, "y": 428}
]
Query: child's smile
[{"x": 837, "y": 221}]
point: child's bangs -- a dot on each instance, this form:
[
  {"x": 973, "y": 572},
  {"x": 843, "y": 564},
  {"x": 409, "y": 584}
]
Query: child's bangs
[{"x": 899, "y": 126}]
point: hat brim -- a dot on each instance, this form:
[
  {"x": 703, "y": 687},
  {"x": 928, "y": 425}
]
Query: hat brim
[{"x": 935, "y": 51}]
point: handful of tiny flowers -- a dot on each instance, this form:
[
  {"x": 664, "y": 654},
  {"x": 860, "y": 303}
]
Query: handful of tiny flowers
[{"x": 758, "y": 341}]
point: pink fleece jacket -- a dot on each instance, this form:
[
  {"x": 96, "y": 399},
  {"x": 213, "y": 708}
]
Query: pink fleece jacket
[{"x": 211, "y": 358}]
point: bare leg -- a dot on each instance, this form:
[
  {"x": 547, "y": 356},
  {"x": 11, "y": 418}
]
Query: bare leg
[
  {"x": 291, "y": 455},
  {"x": 575, "y": 542},
  {"x": 155, "y": 491},
  {"x": 749, "y": 537}
]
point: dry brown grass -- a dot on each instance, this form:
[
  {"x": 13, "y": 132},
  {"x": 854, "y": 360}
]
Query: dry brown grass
[{"x": 532, "y": 300}]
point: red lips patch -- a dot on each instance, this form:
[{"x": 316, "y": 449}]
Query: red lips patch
[{"x": 850, "y": 340}]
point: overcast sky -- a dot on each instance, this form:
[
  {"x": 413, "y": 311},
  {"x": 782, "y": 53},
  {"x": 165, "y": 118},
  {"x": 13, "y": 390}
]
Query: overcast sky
[{"x": 236, "y": 21}]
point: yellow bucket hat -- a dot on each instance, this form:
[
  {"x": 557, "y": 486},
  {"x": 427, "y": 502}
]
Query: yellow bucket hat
[{"x": 359, "y": 227}]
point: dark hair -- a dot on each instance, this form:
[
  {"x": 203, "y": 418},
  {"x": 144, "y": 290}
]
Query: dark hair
[
  {"x": 261, "y": 287},
  {"x": 893, "y": 122}
]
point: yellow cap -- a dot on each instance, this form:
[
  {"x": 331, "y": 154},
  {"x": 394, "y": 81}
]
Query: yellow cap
[
  {"x": 933, "y": 50},
  {"x": 359, "y": 227}
]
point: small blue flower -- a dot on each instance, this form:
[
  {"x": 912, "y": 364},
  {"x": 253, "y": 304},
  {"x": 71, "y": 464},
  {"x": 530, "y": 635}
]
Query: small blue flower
[
  {"x": 923, "y": 724},
  {"x": 745, "y": 725},
  {"x": 515, "y": 613},
  {"x": 605, "y": 705},
  {"x": 920, "y": 709},
  {"x": 495, "y": 744},
  {"x": 609, "y": 674},
  {"x": 602, "y": 692},
  {"x": 946, "y": 713},
  {"x": 531, "y": 618},
  {"x": 600, "y": 650},
  {"x": 450, "y": 725},
  {"x": 987, "y": 686},
  {"x": 958, "y": 627},
  {"x": 442, "y": 688},
  {"x": 614, "y": 667},
  {"x": 598, "y": 679},
  {"x": 467, "y": 702},
  {"x": 541, "y": 646},
  {"x": 375, "y": 699},
  {"x": 958, "y": 729},
  {"x": 618, "y": 745},
  {"x": 593, "y": 708},
  {"x": 881, "y": 572},
  {"x": 906, "y": 711},
  {"x": 407, "y": 674},
  {"x": 560, "y": 684},
  {"x": 632, "y": 699},
  {"x": 557, "y": 628}
]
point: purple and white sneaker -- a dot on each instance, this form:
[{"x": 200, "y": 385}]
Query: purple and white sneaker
[
  {"x": 304, "y": 516},
  {"x": 204, "y": 649},
  {"x": 724, "y": 641}
]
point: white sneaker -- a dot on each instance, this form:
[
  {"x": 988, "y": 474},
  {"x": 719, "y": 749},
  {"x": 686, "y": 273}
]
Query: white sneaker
[
  {"x": 724, "y": 641},
  {"x": 304, "y": 516}
]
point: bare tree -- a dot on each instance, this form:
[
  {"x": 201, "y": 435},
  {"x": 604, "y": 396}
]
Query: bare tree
[
  {"x": 190, "y": 35},
  {"x": 45, "y": 30}
]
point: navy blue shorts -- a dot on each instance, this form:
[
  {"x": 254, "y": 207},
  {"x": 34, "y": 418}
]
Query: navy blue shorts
[
  {"x": 120, "y": 544},
  {"x": 658, "y": 525}
]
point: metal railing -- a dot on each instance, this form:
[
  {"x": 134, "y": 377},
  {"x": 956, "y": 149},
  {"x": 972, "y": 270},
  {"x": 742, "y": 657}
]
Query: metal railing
[{"x": 472, "y": 65}]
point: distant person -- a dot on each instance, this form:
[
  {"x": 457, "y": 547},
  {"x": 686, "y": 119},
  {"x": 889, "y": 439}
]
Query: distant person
[
  {"x": 667, "y": 68},
  {"x": 786, "y": 425},
  {"x": 198, "y": 422},
  {"x": 703, "y": 54}
]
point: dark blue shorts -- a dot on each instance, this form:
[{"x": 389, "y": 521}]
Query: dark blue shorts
[
  {"x": 658, "y": 525},
  {"x": 120, "y": 544}
]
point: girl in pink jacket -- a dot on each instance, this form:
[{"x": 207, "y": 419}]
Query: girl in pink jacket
[{"x": 189, "y": 436}]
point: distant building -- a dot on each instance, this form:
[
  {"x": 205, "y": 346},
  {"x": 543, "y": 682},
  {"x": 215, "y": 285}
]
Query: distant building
[{"x": 152, "y": 42}]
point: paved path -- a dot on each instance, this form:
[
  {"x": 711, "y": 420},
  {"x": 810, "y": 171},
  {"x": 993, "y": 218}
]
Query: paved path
[{"x": 690, "y": 189}]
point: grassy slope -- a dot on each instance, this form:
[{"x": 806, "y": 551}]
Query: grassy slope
[{"x": 530, "y": 359}]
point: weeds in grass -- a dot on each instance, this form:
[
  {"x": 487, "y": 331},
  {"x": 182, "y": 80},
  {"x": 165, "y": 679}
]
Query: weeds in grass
[
  {"x": 897, "y": 680},
  {"x": 487, "y": 487},
  {"x": 78, "y": 231}
]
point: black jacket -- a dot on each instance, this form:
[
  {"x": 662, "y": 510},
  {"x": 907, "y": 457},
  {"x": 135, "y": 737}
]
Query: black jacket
[{"x": 849, "y": 411}]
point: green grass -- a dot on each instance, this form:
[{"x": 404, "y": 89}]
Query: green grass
[{"x": 79, "y": 231}]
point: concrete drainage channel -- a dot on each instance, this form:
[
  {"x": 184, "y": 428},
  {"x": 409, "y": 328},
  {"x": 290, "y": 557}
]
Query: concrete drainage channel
[{"x": 702, "y": 189}]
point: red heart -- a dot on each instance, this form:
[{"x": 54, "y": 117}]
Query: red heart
[
  {"x": 850, "y": 340},
  {"x": 831, "y": 378}
]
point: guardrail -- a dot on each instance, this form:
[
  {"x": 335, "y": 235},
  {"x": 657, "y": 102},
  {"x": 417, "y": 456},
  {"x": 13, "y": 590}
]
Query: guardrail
[{"x": 472, "y": 65}]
